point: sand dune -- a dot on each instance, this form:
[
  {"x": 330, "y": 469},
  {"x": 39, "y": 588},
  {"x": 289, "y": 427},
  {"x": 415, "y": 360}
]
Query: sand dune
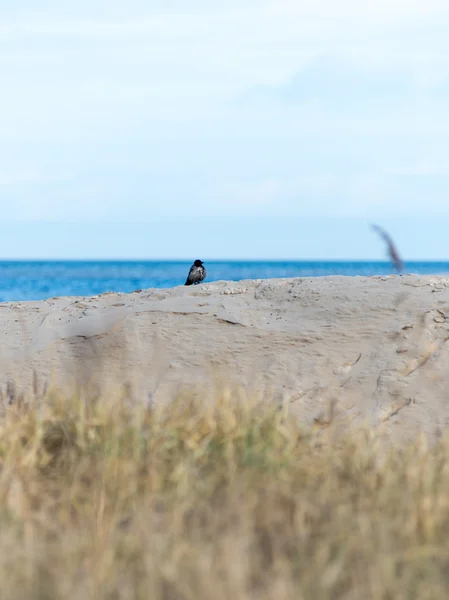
[{"x": 369, "y": 349}]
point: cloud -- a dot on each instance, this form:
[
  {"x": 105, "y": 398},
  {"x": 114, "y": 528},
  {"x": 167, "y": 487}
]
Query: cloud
[
  {"x": 257, "y": 194},
  {"x": 274, "y": 107},
  {"x": 32, "y": 176}
]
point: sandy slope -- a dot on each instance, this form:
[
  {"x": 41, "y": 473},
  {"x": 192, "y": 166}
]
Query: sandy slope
[{"x": 375, "y": 345}]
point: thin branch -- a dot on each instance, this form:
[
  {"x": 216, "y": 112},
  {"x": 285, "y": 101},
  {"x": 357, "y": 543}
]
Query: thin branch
[{"x": 392, "y": 250}]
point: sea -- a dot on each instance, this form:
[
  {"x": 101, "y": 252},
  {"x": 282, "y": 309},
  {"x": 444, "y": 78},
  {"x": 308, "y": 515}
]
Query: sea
[{"x": 38, "y": 280}]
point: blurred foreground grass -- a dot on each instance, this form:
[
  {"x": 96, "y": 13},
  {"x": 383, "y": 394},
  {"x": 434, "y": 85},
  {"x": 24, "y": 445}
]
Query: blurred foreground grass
[{"x": 226, "y": 500}]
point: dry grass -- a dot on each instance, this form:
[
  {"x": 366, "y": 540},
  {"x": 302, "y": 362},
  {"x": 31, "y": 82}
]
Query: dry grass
[{"x": 196, "y": 501}]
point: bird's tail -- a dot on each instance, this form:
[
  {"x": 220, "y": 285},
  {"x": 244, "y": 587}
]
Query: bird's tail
[{"x": 188, "y": 282}]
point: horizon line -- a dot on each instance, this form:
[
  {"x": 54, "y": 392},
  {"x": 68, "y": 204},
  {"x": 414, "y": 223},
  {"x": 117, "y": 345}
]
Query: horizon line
[{"x": 228, "y": 260}]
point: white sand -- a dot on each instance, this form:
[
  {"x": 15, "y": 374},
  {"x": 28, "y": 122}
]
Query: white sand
[{"x": 375, "y": 345}]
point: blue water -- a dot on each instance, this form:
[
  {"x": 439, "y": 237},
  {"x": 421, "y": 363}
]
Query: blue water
[{"x": 45, "y": 279}]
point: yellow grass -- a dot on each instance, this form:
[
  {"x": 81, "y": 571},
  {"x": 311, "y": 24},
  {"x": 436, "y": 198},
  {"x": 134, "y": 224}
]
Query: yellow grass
[{"x": 226, "y": 500}]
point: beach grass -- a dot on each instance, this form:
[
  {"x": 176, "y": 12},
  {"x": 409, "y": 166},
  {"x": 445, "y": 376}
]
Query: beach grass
[{"x": 230, "y": 498}]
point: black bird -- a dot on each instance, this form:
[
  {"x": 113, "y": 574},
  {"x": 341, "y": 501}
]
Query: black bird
[{"x": 197, "y": 273}]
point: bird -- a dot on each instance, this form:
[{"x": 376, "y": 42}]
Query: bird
[
  {"x": 392, "y": 250},
  {"x": 197, "y": 273}
]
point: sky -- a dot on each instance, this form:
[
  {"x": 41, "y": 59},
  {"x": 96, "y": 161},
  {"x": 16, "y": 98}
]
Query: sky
[{"x": 250, "y": 129}]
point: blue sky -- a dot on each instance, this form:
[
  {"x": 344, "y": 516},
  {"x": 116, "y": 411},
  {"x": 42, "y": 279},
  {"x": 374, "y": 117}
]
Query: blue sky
[{"x": 262, "y": 129}]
